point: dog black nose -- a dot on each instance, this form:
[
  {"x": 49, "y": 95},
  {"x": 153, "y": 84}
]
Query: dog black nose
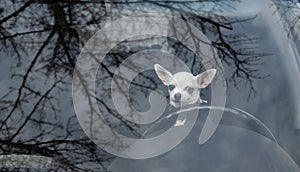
[{"x": 177, "y": 96}]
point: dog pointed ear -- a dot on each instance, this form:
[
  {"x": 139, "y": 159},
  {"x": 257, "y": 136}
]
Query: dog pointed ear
[
  {"x": 205, "y": 78},
  {"x": 163, "y": 74}
]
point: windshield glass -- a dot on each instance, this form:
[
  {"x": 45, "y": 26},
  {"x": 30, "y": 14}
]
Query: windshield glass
[{"x": 149, "y": 85}]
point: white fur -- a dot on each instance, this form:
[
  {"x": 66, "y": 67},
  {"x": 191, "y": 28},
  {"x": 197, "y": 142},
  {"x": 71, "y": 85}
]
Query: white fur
[
  {"x": 179, "y": 122},
  {"x": 182, "y": 81}
]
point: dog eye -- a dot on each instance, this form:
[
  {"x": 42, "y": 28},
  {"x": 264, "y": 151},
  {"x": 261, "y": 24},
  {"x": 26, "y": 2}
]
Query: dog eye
[
  {"x": 190, "y": 90},
  {"x": 171, "y": 87}
]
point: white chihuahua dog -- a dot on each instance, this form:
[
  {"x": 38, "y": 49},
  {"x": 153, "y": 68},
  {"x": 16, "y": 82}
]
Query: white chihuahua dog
[{"x": 184, "y": 87}]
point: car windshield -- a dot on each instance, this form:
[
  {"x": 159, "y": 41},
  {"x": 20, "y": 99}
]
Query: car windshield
[{"x": 150, "y": 85}]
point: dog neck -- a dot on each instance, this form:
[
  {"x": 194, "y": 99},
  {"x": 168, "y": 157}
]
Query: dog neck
[{"x": 197, "y": 103}]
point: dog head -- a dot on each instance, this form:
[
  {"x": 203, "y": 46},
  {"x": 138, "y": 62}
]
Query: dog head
[{"x": 184, "y": 88}]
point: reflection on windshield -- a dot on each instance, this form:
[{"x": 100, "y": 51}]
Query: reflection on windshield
[
  {"x": 231, "y": 116},
  {"x": 245, "y": 42}
]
